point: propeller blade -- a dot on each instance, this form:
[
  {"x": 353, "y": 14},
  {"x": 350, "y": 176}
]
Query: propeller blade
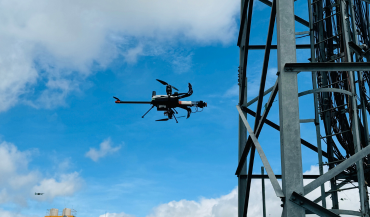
[
  {"x": 165, "y": 83},
  {"x": 165, "y": 119},
  {"x": 162, "y": 82},
  {"x": 116, "y": 98}
]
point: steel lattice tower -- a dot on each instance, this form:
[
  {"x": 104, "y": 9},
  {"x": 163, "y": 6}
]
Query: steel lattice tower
[{"x": 339, "y": 33}]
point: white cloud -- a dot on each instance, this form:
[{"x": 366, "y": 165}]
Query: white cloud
[
  {"x": 348, "y": 200},
  {"x": 182, "y": 63},
  {"x": 116, "y": 215},
  {"x": 132, "y": 54},
  {"x": 17, "y": 72},
  {"x": 19, "y": 184},
  {"x": 64, "y": 164},
  {"x": 105, "y": 149},
  {"x": 52, "y": 45},
  {"x": 226, "y": 205},
  {"x": 4, "y": 213},
  {"x": 219, "y": 207},
  {"x": 67, "y": 185},
  {"x": 233, "y": 91}
]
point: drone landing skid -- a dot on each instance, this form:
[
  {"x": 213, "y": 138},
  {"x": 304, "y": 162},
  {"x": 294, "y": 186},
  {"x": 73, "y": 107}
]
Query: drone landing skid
[
  {"x": 148, "y": 111},
  {"x": 166, "y": 119},
  {"x": 175, "y": 119}
]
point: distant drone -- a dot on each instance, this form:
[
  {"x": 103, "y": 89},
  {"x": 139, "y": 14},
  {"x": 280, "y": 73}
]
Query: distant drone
[
  {"x": 169, "y": 102},
  {"x": 39, "y": 193}
]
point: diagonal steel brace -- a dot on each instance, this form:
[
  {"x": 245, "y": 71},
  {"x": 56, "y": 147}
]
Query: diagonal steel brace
[
  {"x": 336, "y": 170},
  {"x": 328, "y": 193},
  {"x": 266, "y": 164},
  {"x": 243, "y": 158},
  {"x": 311, "y": 206},
  {"x": 277, "y": 127}
]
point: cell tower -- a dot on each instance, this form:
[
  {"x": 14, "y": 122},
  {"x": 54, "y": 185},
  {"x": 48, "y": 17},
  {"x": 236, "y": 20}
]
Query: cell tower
[{"x": 339, "y": 33}]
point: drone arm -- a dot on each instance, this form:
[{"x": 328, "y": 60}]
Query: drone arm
[
  {"x": 187, "y": 109},
  {"x": 133, "y": 102},
  {"x": 189, "y": 93}
]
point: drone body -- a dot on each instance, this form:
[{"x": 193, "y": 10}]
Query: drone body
[{"x": 169, "y": 102}]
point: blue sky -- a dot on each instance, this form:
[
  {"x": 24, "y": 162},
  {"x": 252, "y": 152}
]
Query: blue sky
[{"x": 63, "y": 135}]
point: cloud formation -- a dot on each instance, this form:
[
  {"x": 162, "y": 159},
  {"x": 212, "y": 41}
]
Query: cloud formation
[
  {"x": 19, "y": 184},
  {"x": 218, "y": 207},
  {"x": 4, "y": 213},
  {"x": 105, "y": 149},
  {"x": 226, "y": 205},
  {"x": 67, "y": 185},
  {"x": 48, "y": 48}
]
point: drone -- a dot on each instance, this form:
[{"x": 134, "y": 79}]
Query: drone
[
  {"x": 168, "y": 103},
  {"x": 39, "y": 193}
]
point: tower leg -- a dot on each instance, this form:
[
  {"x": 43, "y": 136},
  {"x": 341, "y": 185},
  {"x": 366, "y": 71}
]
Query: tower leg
[
  {"x": 242, "y": 182},
  {"x": 290, "y": 146}
]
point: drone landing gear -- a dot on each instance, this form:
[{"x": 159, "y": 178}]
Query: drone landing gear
[
  {"x": 170, "y": 113},
  {"x": 148, "y": 111},
  {"x": 173, "y": 114},
  {"x": 175, "y": 119}
]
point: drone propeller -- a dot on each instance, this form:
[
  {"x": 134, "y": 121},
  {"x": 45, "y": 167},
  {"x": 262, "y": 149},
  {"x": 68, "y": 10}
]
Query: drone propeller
[
  {"x": 165, "y": 119},
  {"x": 165, "y": 83},
  {"x": 116, "y": 98},
  {"x": 162, "y": 82}
]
